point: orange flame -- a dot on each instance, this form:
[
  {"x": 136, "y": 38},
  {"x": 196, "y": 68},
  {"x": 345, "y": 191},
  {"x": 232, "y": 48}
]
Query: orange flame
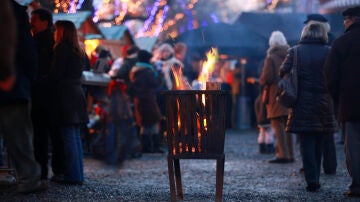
[
  {"x": 178, "y": 107},
  {"x": 208, "y": 66},
  {"x": 179, "y": 81},
  {"x": 203, "y": 101}
]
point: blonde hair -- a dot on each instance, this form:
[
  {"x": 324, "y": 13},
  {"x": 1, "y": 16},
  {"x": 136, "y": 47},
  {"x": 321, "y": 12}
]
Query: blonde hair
[
  {"x": 314, "y": 30},
  {"x": 325, "y": 24},
  {"x": 277, "y": 38},
  {"x": 165, "y": 47}
]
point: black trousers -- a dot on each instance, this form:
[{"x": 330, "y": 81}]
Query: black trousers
[{"x": 43, "y": 134}]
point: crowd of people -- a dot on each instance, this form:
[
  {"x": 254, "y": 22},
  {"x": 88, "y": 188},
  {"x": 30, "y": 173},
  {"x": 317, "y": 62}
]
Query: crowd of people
[
  {"x": 325, "y": 71},
  {"x": 44, "y": 104}
]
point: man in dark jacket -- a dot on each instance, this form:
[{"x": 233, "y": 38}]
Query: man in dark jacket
[
  {"x": 342, "y": 76},
  {"x": 42, "y": 28},
  {"x": 15, "y": 108}
]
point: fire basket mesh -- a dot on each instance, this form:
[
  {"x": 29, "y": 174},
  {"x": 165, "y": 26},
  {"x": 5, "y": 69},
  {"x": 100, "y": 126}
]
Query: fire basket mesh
[{"x": 195, "y": 123}]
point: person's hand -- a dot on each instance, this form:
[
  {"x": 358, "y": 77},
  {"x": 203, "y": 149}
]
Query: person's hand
[
  {"x": 251, "y": 80},
  {"x": 7, "y": 84}
]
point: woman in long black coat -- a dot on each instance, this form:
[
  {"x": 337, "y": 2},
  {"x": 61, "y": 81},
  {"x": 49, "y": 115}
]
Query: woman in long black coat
[
  {"x": 312, "y": 117},
  {"x": 68, "y": 97}
]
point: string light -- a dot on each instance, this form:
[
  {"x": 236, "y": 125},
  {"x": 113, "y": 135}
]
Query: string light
[
  {"x": 150, "y": 18},
  {"x": 163, "y": 19}
]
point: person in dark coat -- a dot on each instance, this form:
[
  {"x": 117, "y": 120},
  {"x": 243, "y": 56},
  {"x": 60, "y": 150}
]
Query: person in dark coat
[
  {"x": 130, "y": 58},
  {"x": 7, "y": 48},
  {"x": 145, "y": 80},
  {"x": 329, "y": 151},
  {"x": 42, "y": 29},
  {"x": 69, "y": 103},
  {"x": 342, "y": 78},
  {"x": 15, "y": 105},
  {"x": 312, "y": 117},
  {"x": 276, "y": 112}
]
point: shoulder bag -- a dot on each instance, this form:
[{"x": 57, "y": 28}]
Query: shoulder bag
[{"x": 288, "y": 85}]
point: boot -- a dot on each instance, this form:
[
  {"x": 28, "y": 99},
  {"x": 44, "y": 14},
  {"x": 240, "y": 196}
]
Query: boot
[
  {"x": 269, "y": 148},
  {"x": 262, "y": 148},
  {"x": 147, "y": 143}
]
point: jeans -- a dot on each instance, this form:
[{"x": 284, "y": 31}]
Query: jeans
[{"x": 74, "y": 168}]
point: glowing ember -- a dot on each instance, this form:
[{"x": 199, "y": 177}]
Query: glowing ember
[
  {"x": 205, "y": 124},
  {"x": 180, "y": 147},
  {"x": 178, "y": 107}
]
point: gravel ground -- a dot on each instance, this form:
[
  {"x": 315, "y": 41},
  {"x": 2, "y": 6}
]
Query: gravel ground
[{"x": 247, "y": 177}]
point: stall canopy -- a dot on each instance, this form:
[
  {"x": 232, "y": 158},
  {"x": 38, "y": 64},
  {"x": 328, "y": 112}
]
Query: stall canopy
[
  {"x": 146, "y": 43},
  {"x": 115, "y": 37},
  {"x": 82, "y": 20},
  {"x": 116, "y": 33}
]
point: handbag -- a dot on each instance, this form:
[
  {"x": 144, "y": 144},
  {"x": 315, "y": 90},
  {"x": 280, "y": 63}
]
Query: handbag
[{"x": 288, "y": 86}]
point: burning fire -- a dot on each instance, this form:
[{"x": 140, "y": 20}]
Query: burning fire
[
  {"x": 208, "y": 67},
  {"x": 181, "y": 84}
]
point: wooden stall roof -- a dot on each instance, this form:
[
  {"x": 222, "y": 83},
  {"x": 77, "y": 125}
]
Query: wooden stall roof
[
  {"x": 81, "y": 19},
  {"x": 116, "y": 33}
]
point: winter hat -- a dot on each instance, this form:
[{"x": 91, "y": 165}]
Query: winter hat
[
  {"x": 144, "y": 56},
  {"x": 315, "y": 17},
  {"x": 355, "y": 11}
]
